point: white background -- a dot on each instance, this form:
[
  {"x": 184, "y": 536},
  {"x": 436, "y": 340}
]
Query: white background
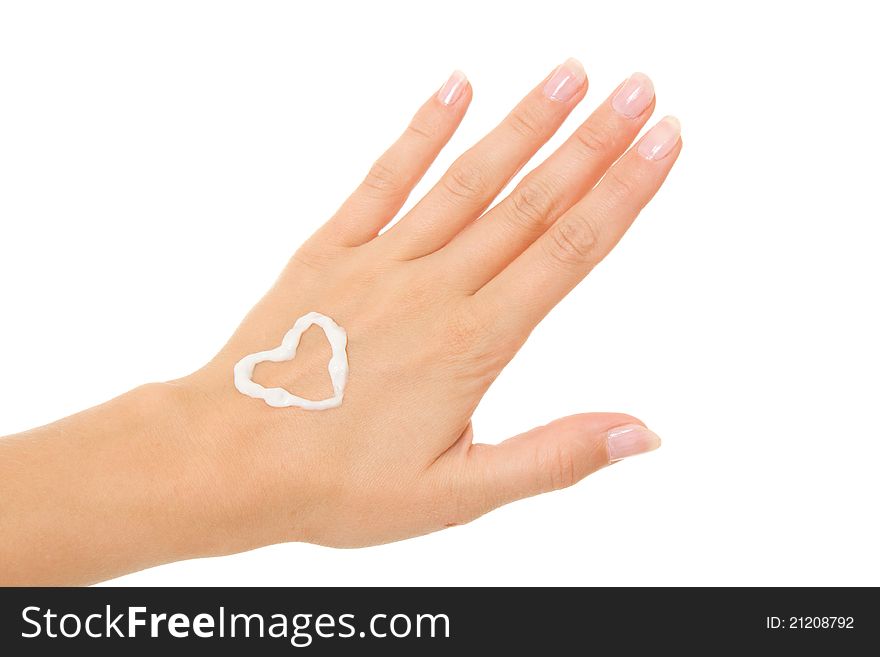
[{"x": 160, "y": 161}]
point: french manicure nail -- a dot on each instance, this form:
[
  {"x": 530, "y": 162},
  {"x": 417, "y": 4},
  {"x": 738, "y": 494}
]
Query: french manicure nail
[
  {"x": 452, "y": 89},
  {"x": 565, "y": 82},
  {"x": 629, "y": 440},
  {"x": 660, "y": 139},
  {"x": 634, "y": 96}
]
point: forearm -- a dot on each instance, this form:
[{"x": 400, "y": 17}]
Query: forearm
[{"x": 104, "y": 492}]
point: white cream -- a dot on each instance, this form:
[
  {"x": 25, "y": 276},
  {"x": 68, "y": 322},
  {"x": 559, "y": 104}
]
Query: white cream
[{"x": 243, "y": 371}]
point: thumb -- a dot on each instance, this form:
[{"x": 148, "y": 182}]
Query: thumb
[{"x": 557, "y": 455}]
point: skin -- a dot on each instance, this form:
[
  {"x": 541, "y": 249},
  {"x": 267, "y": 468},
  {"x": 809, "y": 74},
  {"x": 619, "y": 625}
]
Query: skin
[{"x": 434, "y": 308}]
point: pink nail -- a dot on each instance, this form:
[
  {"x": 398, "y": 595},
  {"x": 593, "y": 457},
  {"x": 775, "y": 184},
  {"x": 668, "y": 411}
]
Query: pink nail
[
  {"x": 629, "y": 440},
  {"x": 565, "y": 82},
  {"x": 634, "y": 96},
  {"x": 661, "y": 139},
  {"x": 453, "y": 88}
]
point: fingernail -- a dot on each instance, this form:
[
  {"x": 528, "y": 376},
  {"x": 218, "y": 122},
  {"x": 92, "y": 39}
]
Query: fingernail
[
  {"x": 660, "y": 139},
  {"x": 629, "y": 440},
  {"x": 634, "y": 96},
  {"x": 566, "y": 80},
  {"x": 453, "y": 88}
]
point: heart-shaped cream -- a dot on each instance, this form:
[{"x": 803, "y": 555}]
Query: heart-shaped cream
[{"x": 243, "y": 371}]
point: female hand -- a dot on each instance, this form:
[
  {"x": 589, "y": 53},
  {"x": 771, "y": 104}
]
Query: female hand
[{"x": 434, "y": 308}]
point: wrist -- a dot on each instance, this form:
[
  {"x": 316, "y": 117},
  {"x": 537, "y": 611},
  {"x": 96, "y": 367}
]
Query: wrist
[
  {"x": 202, "y": 493},
  {"x": 243, "y": 493}
]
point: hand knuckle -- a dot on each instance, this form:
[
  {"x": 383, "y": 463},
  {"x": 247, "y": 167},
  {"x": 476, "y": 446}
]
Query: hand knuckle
[
  {"x": 619, "y": 187},
  {"x": 465, "y": 180},
  {"x": 315, "y": 258},
  {"x": 595, "y": 139},
  {"x": 558, "y": 463},
  {"x": 525, "y": 122},
  {"x": 422, "y": 128},
  {"x": 383, "y": 179},
  {"x": 574, "y": 241},
  {"x": 533, "y": 202}
]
